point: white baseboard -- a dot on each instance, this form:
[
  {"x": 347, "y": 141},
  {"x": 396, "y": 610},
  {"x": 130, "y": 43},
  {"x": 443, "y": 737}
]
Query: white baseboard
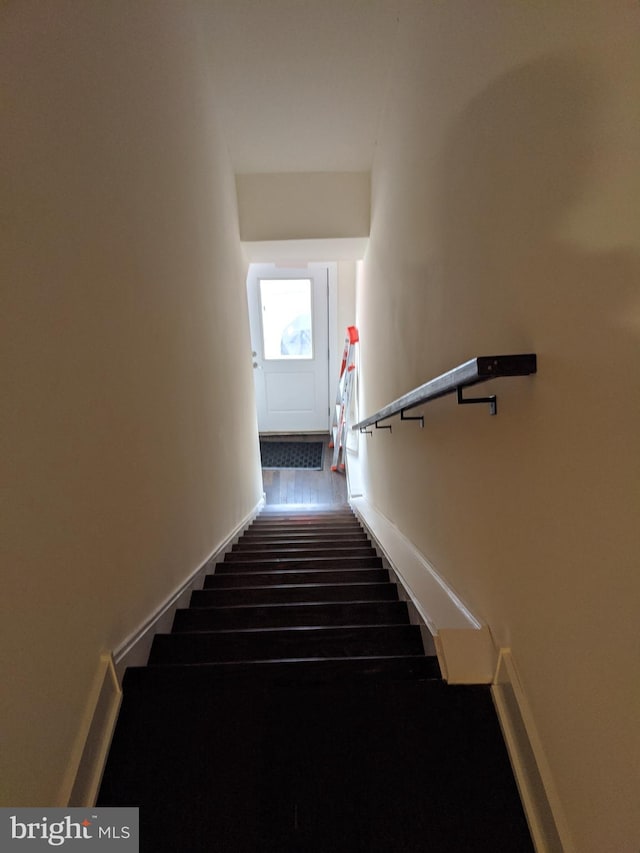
[
  {"x": 465, "y": 648},
  {"x": 540, "y": 800},
  {"x": 467, "y": 654},
  {"x": 135, "y": 649},
  {"x": 84, "y": 772},
  {"x": 89, "y": 754}
]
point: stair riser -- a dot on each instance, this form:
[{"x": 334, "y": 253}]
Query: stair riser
[
  {"x": 289, "y": 576},
  {"x": 276, "y": 645},
  {"x": 289, "y": 616},
  {"x": 292, "y": 594}
]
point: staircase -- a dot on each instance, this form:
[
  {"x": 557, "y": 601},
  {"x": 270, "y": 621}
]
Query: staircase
[{"x": 293, "y": 708}]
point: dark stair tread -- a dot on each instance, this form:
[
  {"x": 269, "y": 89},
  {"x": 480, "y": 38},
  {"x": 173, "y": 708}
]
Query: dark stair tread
[
  {"x": 244, "y": 563},
  {"x": 292, "y": 576},
  {"x": 306, "y": 527},
  {"x": 292, "y": 643},
  {"x": 297, "y": 552},
  {"x": 263, "y": 562},
  {"x": 298, "y": 671},
  {"x": 291, "y": 541},
  {"x": 297, "y": 517},
  {"x": 285, "y": 548},
  {"x": 278, "y": 526},
  {"x": 343, "y": 525},
  {"x": 290, "y": 514},
  {"x": 291, "y": 615},
  {"x": 364, "y": 765},
  {"x": 274, "y": 532},
  {"x": 283, "y": 593}
]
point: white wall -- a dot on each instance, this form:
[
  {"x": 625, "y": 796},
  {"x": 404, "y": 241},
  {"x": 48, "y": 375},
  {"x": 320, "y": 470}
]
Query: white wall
[
  {"x": 129, "y": 442},
  {"x": 505, "y": 219},
  {"x": 304, "y": 205},
  {"x": 346, "y": 298}
]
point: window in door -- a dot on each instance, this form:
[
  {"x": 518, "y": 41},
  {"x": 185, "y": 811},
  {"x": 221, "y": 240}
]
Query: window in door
[{"x": 286, "y": 318}]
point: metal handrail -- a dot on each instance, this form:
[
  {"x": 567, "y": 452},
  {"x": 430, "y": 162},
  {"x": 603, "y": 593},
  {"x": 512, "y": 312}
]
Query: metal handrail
[{"x": 472, "y": 372}]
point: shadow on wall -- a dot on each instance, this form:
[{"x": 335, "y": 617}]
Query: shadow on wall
[
  {"x": 531, "y": 516},
  {"x": 515, "y": 169},
  {"x": 518, "y": 167}
]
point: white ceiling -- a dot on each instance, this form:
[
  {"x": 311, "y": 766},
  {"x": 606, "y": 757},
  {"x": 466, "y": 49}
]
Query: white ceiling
[{"x": 300, "y": 84}]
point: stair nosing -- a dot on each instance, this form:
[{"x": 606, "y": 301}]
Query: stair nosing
[
  {"x": 332, "y": 558},
  {"x": 289, "y": 629},
  {"x": 289, "y": 604},
  {"x": 303, "y": 586},
  {"x": 270, "y": 629},
  {"x": 287, "y": 660},
  {"x": 229, "y": 663},
  {"x": 298, "y": 571}
]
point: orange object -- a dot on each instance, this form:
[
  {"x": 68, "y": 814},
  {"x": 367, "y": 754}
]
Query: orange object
[{"x": 341, "y": 409}]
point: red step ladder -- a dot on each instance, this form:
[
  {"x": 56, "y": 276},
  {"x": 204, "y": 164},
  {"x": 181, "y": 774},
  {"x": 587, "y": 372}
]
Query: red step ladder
[{"x": 343, "y": 400}]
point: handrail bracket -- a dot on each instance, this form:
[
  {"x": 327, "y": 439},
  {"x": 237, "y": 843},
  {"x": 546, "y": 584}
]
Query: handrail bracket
[
  {"x": 384, "y": 426},
  {"x": 492, "y": 401},
  {"x": 404, "y": 417}
]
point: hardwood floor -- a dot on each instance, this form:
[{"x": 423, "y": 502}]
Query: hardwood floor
[{"x": 290, "y": 486}]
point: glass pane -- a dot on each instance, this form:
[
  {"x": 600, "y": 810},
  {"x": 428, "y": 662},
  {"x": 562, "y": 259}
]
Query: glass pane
[{"x": 286, "y": 317}]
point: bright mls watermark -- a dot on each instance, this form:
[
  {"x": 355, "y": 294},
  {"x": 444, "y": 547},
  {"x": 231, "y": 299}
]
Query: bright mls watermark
[{"x": 114, "y": 829}]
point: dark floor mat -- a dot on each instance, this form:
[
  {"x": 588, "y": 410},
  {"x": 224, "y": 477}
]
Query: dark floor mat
[{"x": 292, "y": 454}]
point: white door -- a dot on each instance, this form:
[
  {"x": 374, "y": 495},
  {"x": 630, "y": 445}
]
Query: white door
[{"x": 288, "y": 313}]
